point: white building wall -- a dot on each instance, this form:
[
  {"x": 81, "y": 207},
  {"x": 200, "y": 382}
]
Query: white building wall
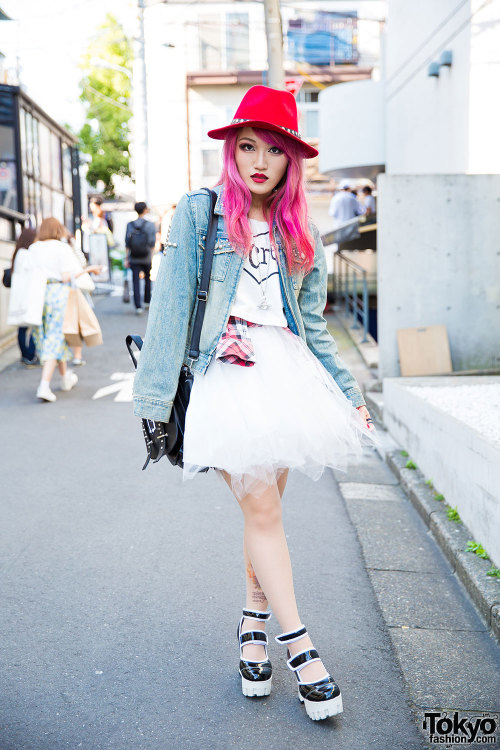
[
  {"x": 438, "y": 263},
  {"x": 442, "y": 125},
  {"x": 166, "y": 84},
  {"x": 484, "y": 84}
]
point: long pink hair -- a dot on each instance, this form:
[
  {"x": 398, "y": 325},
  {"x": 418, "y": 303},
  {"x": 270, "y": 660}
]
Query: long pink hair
[{"x": 287, "y": 206}]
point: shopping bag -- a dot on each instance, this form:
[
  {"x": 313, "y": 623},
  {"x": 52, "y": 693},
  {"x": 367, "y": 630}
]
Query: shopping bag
[
  {"x": 27, "y": 297},
  {"x": 90, "y": 330},
  {"x": 71, "y": 328},
  {"x": 80, "y": 321},
  {"x": 85, "y": 283}
]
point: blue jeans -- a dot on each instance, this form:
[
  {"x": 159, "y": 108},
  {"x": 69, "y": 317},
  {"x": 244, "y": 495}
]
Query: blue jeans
[
  {"x": 136, "y": 269},
  {"x": 27, "y": 352}
]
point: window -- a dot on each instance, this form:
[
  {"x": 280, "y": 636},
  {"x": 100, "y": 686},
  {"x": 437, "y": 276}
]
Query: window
[
  {"x": 44, "y": 155},
  {"x": 55, "y": 153},
  {"x": 209, "y": 122},
  {"x": 58, "y": 206},
  {"x": 210, "y": 162},
  {"x": 8, "y": 180},
  {"x": 308, "y": 96},
  {"x": 46, "y": 202},
  {"x": 312, "y": 123},
  {"x": 66, "y": 165},
  {"x": 237, "y": 41},
  {"x": 210, "y": 42}
]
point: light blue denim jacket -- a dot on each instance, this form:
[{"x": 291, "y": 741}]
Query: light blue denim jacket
[{"x": 174, "y": 303}]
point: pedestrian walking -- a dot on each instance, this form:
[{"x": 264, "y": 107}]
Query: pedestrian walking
[
  {"x": 55, "y": 257},
  {"x": 20, "y": 262},
  {"x": 368, "y": 201},
  {"x": 140, "y": 239},
  {"x": 344, "y": 205},
  {"x": 270, "y": 392}
]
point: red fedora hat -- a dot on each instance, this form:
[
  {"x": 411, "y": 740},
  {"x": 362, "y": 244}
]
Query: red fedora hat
[{"x": 266, "y": 108}]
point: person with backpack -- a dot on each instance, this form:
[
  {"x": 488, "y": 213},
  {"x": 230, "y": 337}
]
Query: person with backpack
[{"x": 140, "y": 240}]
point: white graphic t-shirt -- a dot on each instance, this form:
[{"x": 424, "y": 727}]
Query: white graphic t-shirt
[{"x": 260, "y": 282}]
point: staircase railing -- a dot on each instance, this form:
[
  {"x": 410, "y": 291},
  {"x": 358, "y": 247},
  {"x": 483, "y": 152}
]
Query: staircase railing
[{"x": 350, "y": 285}]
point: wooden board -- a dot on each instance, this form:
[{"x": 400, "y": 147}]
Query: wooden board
[{"x": 424, "y": 351}]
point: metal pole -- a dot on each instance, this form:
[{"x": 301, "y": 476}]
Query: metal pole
[
  {"x": 355, "y": 301},
  {"x": 365, "y": 308},
  {"x": 141, "y": 155},
  {"x": 274, "y": 34}
]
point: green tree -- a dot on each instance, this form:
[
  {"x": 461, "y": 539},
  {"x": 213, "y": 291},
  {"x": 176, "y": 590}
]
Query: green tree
[{"x": 106, "y": 91}]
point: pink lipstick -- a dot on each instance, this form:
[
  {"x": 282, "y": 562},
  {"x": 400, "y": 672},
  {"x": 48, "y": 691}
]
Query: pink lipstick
[{"x": 259, "y": 177}]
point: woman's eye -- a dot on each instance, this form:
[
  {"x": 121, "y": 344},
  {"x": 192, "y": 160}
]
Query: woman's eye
[
  {"x": 246, "y": 146},
  {"x": 275, "y": 150}
]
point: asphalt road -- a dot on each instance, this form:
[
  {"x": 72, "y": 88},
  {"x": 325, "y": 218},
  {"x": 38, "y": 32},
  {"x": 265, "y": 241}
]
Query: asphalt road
[{"x": 121, "y": 589}]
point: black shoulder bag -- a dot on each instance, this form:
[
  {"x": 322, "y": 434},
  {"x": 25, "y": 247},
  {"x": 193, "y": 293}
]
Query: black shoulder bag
[{"x": 167, "y": 438}]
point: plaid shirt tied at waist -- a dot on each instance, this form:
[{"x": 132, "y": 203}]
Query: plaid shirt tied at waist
[{"x": 235, "y": 347}]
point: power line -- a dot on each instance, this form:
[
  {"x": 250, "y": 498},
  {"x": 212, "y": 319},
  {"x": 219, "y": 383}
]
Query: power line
[
  {"x": 443, "y": 44},
  {"x": 422, "y": 45}
]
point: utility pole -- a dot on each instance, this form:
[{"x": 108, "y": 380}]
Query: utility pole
[
  {"x": 141, "y": 145},
  {"x": 274, "y": 34}
]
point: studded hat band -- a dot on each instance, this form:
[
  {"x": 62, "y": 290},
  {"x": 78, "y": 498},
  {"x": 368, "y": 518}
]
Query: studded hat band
[{"x": 288, "y": 130}]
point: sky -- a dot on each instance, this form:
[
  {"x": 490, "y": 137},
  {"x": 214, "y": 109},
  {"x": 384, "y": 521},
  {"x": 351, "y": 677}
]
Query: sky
[{"x": 50, "y": 37}]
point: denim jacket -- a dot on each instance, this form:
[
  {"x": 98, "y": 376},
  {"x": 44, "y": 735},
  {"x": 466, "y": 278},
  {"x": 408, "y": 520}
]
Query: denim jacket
[{"x": 174, "y": 303}]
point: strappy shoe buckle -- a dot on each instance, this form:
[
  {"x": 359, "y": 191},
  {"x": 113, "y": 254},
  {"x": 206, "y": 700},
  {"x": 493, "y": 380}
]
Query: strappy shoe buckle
[
  {"x": 321, "y": 698},
  {"x": 256, "y": 676}
]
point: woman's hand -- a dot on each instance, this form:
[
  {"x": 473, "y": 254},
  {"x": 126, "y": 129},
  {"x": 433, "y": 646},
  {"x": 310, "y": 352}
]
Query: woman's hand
[
  {"x": 94, "y": 269},
  {"x": 366, "y": 416}
]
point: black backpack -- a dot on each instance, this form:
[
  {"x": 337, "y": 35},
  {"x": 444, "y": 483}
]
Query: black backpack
[{"x": 138, "y": 241}]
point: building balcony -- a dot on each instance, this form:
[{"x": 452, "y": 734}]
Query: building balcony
[{"x": 351, "y": 130}]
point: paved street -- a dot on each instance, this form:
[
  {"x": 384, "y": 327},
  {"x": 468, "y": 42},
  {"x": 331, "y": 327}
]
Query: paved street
[{"x": 121, "y": 590}]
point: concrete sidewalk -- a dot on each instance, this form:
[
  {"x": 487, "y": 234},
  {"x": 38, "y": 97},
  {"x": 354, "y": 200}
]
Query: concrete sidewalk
[{"x": 121, "y": 590}]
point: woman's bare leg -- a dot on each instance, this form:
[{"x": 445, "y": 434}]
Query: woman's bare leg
[
  {"x": 48, "y": 369},
  {"x": 267, "y": 549},
  {"x": 255, "y": 597}
]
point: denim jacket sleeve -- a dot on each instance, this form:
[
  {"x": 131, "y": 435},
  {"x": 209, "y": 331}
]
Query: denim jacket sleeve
[
  {"x": 172, "y": 304},
  {"x": 312, "y": 302}
]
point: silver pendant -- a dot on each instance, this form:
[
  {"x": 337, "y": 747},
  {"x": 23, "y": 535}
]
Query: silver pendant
[{"x": 264, "y": 304}]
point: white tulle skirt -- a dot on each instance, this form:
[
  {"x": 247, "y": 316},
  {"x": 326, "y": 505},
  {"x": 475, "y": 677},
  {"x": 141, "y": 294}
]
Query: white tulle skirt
[{"x": 285, "y": 412}]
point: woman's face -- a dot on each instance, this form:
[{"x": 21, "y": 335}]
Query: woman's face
[{"x": 261, "y": 166}]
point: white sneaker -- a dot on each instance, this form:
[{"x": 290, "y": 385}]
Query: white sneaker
[
  {"x": 69, "y": 381},
  {"x": 44, "y": 393}
]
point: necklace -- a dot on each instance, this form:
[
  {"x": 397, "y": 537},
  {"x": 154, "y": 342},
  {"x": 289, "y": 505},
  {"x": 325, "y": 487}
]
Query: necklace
[{"x": 264, "y": 304}]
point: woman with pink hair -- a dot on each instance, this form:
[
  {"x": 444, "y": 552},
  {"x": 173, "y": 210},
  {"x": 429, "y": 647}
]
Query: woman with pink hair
[{"x": 270, "y": 392}]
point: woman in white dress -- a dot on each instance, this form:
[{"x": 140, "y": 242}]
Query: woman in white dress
[
  {"x": 57, "y": 260},
  {"x": 272, "y": 394}
]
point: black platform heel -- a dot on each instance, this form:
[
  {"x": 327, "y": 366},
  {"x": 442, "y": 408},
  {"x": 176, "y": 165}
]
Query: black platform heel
[
  {"x": 256, "y": 676},
  {"x": 321, "y": 698}
]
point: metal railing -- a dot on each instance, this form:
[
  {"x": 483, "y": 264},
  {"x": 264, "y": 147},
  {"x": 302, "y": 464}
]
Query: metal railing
[{"x": 350, "y": 286}]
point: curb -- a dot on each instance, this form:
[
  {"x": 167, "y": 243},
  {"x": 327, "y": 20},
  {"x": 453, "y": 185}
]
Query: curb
[{"x": 452, "y": 538}]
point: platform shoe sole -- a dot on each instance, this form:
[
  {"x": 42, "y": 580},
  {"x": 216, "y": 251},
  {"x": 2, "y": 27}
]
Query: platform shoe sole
[
  {"x": 255, "y": 689},
  {"x": 317, "y": 710}
]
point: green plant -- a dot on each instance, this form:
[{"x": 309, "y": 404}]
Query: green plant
[
  {"x": 438, "y": 497},
  {"x": 106, "y": 91},
  {"x": 410, "y": 465},
  {"x": 404, "y": 454},
  {"x": 429, "y": 483},
  {"x": 478, "y": 549},
  {"x": 452, "y": 514},
  {"x": 493, "y": 572}
]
